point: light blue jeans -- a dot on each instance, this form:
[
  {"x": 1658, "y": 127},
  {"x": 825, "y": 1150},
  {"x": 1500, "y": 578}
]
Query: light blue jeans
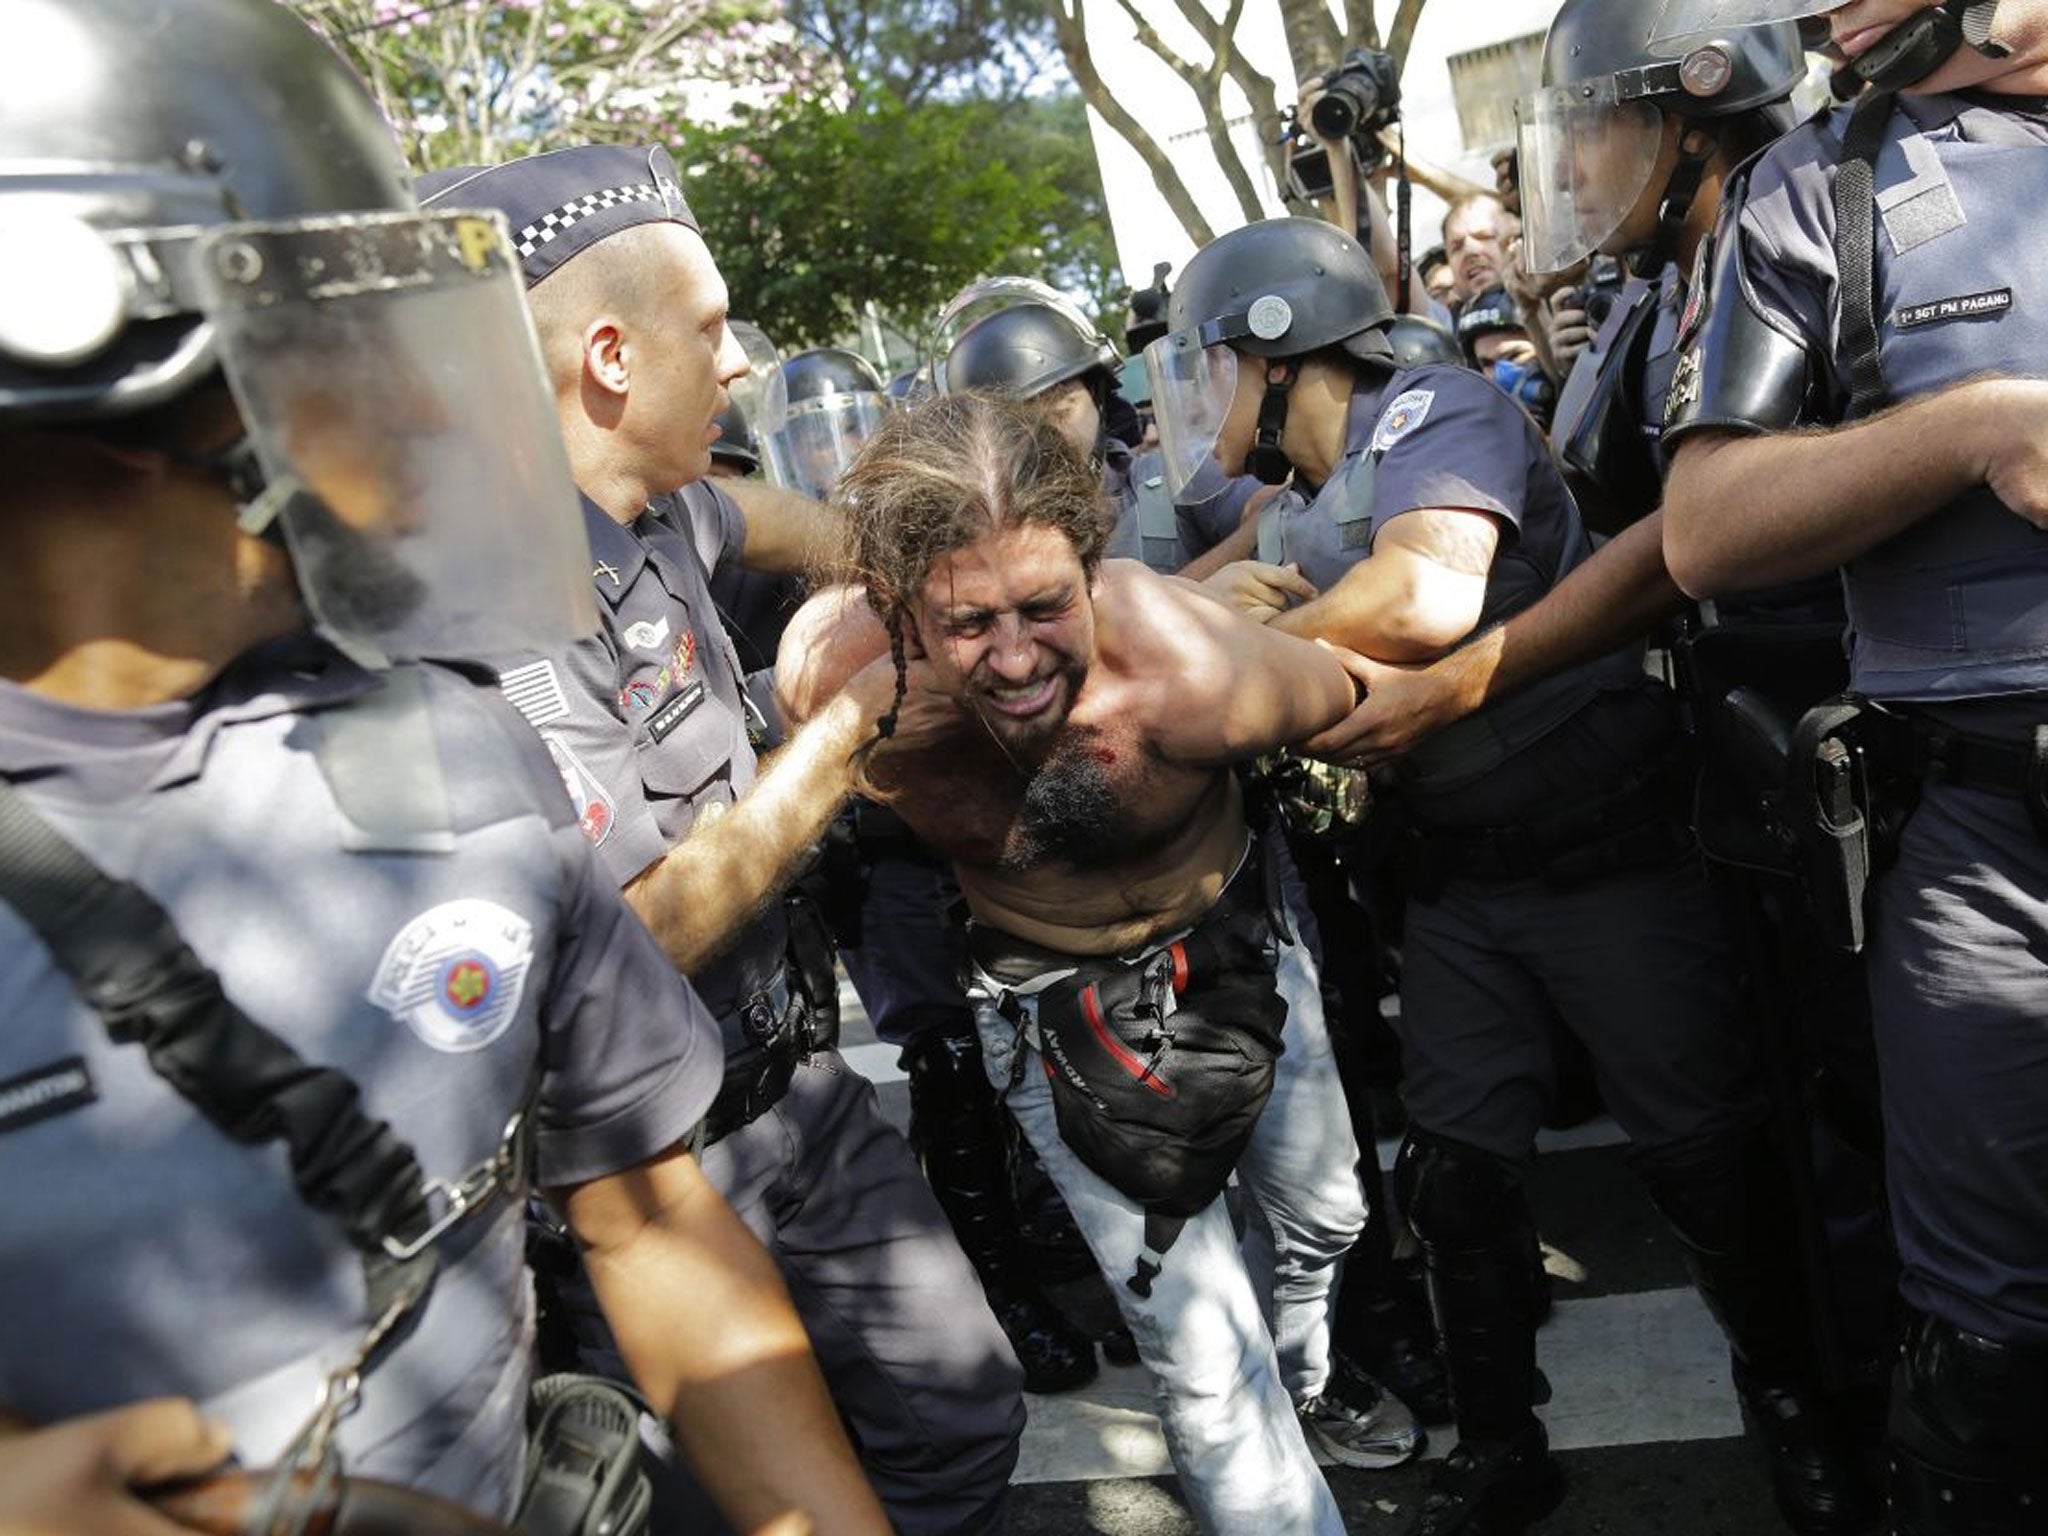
[{"x": 1229, "y": 1356}]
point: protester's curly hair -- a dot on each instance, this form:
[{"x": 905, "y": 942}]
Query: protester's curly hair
[{"x": 941, "y": 475}]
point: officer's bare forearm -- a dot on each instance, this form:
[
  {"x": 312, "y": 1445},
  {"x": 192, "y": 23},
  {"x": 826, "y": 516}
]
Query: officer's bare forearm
[
  {"x": 788, "y": 534},
  {"x": 1613, "y": 598},
  {"x": 703, "y": 891},
  {"x": 1242, "y": 544},
  {"x": 1747, "y": 512},
  {"x": 709, "y": 1333}
]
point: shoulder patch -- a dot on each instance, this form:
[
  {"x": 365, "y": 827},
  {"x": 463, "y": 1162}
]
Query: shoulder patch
[
  {"x": 535, "y": 690},
  {"x": 454, "y": 974},
  {"x": 594, "y": 810},
  {"x": 1403, "y": 415}
]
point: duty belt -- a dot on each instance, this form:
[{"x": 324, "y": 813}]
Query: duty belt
[
  {"x": 756, "y": 1077},
  {"x": 1631, "y": 827},
  {"x": 2017, "y": 768}
]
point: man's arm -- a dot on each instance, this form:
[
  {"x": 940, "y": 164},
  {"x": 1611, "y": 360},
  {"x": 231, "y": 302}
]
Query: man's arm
[
  {"x": 1612, "y": 598},
  {"x": 78, "y": 1478},
  {"x": 1747, "y": 512},
  {"x": 712, "y": 1340},
  {"x": 788, "y": 534},
  {"x": 1228, "y": 689},
  {"x": 1419, "y": 594},
  {"x": 699, "y": 894}
]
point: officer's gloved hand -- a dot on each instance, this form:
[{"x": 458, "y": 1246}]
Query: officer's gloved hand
[{"x": 82, "y": 1476}]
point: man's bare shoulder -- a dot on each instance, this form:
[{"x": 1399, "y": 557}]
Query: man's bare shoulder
[
  {"x": 1165, "y": 629},
  {"x": 831, "y": 637}
]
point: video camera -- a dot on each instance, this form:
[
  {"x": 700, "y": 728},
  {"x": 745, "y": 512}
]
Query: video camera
[{"x": 1360, "y": 96}]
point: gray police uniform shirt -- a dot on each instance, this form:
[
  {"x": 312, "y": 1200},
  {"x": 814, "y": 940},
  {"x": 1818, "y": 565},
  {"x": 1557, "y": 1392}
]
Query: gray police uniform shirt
[
  {"x": 145, "y": 1253},
  {"x": 1443, "y": 436},
  {"x": 1955, "y": 607},
  {"x": 647, "y": 719},
  {"x": 1147, "y": 526}
]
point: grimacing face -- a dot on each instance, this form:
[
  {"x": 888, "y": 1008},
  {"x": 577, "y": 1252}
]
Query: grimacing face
[{"x": 1008, "y": 624}]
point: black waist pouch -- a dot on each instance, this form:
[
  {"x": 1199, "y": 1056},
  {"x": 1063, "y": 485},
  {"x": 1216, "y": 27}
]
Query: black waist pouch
[{"x": 1160, "y": 1065}]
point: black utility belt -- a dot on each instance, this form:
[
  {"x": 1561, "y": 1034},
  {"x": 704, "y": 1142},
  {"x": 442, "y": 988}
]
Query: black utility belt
[
  {"x": 775, "y": 1022},
  {"x": 1637, "y": 825}
]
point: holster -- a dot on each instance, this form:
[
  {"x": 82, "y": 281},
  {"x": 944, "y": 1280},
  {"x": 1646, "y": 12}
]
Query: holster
[
  {"x": 1851, "y": 787},
  {"x": 583, "y": 1473},
  {"x": 812, "y": 977}
]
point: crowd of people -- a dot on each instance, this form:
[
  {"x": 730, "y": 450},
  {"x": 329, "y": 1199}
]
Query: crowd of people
[{"x": 465, "y": 700}]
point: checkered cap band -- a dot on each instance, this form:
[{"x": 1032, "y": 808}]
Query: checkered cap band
[{"x": 567, "y": 200}]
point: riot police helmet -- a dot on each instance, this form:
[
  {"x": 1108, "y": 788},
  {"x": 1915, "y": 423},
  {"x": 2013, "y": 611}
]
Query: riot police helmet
[
  {"x": 1026, "y": 349},
  {"x": 1417, "y": 339},
  {"x": 1279, "y": 289},
  {"x": 817, "y": 409},
  {"x": 198, "y": 193},
  {"x": 1593, "y": 136},
  {"x": 735, "y": 446},
  {"x": 1911, "y": 51}
]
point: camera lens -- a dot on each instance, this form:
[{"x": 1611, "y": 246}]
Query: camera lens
[{"x": 1335, "y": 113}]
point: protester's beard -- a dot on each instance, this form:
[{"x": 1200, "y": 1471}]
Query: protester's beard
[
  {"x": 1070, "y": 815},
  {"x": 354, "y": 584}
]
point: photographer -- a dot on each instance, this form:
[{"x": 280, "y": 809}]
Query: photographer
[{"x": 1336, "y": 152}]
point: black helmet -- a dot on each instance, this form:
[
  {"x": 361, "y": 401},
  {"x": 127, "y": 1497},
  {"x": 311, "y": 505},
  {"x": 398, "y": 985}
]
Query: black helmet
[
  {"x": 1283, "y": 288},
  {"x": 1279, "y": 289},
  {"x": 1025, "y": 350},
  {"x": 1907, "y": 54},
  {"x": 200, "y": 189},
  {"x": 1417, "y": 339},
  {"x": 129, "y": 126},
  {"x": 817, "y": 410},
  {"x": 735, "y": 443},
  {"x": 913, "y": 386},
  {"x": 1605, "y": 94}
]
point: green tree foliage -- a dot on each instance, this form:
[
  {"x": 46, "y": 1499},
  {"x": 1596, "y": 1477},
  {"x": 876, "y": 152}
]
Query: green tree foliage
[
  {"x": 921, "y": 50},
  {"x": 815, "y": 210}
]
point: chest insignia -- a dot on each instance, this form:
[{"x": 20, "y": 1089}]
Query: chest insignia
[
  {"x": 1964, "y": 306},
  {"x": 608, "y": 572},
  {"x": 1403, "y": 416},
  {"x": 672, "y": 714},
  {"x": 45, "y": 1091},
  {"x": 652, "y": 638},
  {"x": 454, "y": 974}
]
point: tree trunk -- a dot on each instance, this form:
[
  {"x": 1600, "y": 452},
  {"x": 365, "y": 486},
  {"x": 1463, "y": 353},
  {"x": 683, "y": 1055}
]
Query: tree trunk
[{"x": 1070, "y": 24}]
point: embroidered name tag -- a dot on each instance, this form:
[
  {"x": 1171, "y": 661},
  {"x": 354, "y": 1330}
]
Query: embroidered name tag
[
  {"x": 45, "y": 1092},
  {"x": 663, "y": 722},
  {"x": 1966, "y": 306}
]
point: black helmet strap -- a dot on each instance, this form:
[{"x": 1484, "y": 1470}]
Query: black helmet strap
[
  {"x": 1680, "y": 188},
  {"x": 1918, "y": 46},
  {"x": 1267, "y": 462}
]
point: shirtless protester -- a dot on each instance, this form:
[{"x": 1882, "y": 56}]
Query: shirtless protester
[{"x": 1129, "y": 927}]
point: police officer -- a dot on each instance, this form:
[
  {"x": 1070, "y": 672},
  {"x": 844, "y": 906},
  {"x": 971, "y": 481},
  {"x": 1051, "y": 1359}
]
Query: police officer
[
  {"x": 1549, "y": 879},
  {"x": 817, "y": 408},
  {"x": 1042, "y": 348},
  {"x": 297, "y": 934},
  {"x": 647, "y": 723},
  {"x": 1870, "y": 283}
]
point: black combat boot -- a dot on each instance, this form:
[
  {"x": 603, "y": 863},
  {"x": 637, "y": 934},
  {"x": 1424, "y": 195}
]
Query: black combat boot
[
  {"x": 1741, "y": 1242},
  {"x": 1964, "y": 1443},
  {"x": 1468, "y": 1211},
  {"x": 957, "y": 1133}
]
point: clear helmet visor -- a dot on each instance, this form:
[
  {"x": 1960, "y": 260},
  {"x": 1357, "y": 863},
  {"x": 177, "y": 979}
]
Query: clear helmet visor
[
  {"x": 749, "y": 391},
  {"x": 390, "y": 383},
  {"x": 1192, "y": 387},
  {"x": 978, "y": 301},
  {"x": 811, "y": 443},
  {"x": 1683, "y": 18},
  {"x": 1586, "y": 159}
]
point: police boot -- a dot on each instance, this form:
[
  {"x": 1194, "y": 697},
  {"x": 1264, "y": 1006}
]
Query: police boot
[
  {"x": 1468, "y": 1211},
  {"x": 1741, "y": 1242},
  {"x": 957, "y": 1133},
  {"x": 1964, "y": 1456}
]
